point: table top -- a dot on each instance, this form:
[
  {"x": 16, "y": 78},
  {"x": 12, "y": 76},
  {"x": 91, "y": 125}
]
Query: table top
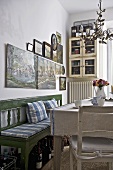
[{"x": 66, "y": 118}]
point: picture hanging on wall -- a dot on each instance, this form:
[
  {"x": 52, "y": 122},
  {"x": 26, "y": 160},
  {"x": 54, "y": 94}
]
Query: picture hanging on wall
[
  {"x": 20, "y": 68},
  {"x": 37, "y": 47},
  {"x": 46, "y": 74},
  {"x": 47, "y": 50},
  {"x": 58, "y": 69},
  {"x": 29, "y": 47},
  {"x": 54, "y": 56},
  {"x": 59, "y": 39},
  {"x": 62, "y": 83},
  {"x": 60, "y": 53},
  {"x": 62, "y": 70},
  {"x": 54, "y": 42}
]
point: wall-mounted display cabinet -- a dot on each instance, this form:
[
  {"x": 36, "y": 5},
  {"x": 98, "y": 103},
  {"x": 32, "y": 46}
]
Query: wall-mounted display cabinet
[
  {"x": 77, "y": 47},
  {"x": 82, "y": 58}
]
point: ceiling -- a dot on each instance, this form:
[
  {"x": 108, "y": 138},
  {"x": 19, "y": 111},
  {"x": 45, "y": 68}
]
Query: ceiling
[{"x": 77, "y": 6}]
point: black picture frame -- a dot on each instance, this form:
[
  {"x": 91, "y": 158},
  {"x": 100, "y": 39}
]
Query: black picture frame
[
  {"x": 54, "y": 42},
  {"x": 62, "y": 83},
  {"x": 29, "y": 47},
  {"x": 37, "y": 47},
  {"x": 47, "y": 50}
]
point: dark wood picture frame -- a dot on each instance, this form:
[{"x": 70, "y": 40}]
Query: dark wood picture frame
[
  {"x": 60, "y": 53},
  {"x": 62, "y": 83},
  {"x": 29, "y": 47},
  {"x": 38, "y": 47},
  {"x": 47, "y": 50}
]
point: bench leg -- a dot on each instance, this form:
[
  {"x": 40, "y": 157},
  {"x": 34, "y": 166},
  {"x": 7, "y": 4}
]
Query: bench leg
[{"x": 24, "y": 159}]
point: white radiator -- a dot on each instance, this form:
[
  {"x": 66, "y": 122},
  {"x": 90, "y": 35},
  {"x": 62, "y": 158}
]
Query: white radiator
[{"x": 80, "y": 90}]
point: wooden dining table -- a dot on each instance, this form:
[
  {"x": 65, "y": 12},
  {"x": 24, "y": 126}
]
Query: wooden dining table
[{"x": 64, "y": 121}]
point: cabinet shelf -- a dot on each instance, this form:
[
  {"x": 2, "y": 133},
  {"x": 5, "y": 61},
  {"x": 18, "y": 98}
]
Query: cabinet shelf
[
  {"x": 89, "y": 45},
  {"x": 75, "y": 46},
  {"x": 89, "y": 65}
]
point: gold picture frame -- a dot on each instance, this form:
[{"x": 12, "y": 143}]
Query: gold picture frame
[{"x": 59, "y": 38}]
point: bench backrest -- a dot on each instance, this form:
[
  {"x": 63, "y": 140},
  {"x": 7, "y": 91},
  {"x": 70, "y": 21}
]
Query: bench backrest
[{"x": 17, "y": 106}]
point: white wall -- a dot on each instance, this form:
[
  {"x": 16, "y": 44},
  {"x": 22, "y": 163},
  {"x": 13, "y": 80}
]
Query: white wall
[{"x": 22, "y": 21}]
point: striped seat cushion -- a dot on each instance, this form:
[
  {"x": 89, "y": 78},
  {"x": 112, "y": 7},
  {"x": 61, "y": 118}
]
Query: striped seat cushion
[
  {"x": 26, "y": 130},
  {"x": 36, "y": 112},
  {"x": 50, "y": 104}
]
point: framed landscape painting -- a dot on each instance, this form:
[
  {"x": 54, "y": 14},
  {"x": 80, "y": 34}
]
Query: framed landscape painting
[
  {"x": 46, "y": 74},
  {"x": 20, "y": 68},
  {"x": 58, "y": 69}
]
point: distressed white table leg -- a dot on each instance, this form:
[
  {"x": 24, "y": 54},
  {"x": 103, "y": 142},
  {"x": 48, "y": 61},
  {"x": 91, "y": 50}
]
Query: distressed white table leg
[
  {"x": 71, "y": 158},
  {"x": 57, "y": 152},
  {"x": 79, "y": 166}
]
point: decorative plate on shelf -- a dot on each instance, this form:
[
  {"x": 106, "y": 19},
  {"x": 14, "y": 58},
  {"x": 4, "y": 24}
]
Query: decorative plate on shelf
[{"x": 54, "y": 42}]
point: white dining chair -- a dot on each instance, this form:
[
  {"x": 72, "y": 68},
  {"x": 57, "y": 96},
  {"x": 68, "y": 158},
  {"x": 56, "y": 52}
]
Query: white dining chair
[{"x": 94, "y": 141}]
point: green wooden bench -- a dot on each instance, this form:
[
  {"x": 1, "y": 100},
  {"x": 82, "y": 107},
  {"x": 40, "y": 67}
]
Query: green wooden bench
[{"x": 26, "y": 144}]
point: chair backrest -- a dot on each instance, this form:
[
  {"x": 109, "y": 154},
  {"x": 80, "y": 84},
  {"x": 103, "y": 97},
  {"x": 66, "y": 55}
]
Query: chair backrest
[{"x": 94, "y": 121}]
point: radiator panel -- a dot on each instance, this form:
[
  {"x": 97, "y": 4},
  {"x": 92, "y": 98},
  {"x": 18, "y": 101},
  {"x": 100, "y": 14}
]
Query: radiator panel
[{"x": 80, "y": 90}]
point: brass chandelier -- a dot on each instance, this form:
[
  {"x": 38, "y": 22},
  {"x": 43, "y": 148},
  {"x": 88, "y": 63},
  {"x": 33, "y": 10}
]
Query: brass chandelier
[{"x": 98, "y": 32}]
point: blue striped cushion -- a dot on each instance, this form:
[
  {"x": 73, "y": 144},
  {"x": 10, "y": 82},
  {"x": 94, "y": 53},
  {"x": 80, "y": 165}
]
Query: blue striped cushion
[
  {"x": 26, "y": 130},
  {"x": 36, "y": 112},
  {"x": 50, "y": 104}
]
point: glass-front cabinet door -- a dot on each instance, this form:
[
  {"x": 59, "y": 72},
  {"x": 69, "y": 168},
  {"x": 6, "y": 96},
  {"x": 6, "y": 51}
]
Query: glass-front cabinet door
[
  {"x": 79, "y": 47},
  {"x": 75, "y": 49},
  {"x": 75, "y": 67},
  {"x": 89, "y": 48},
  {"x": 89, "y": 66}
]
